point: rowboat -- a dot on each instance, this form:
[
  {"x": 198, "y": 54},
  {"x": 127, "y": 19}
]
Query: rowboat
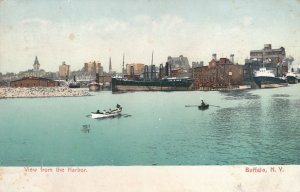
[
  {"x": 105, "y": 114},
  {"x": 203, "y": 107}
]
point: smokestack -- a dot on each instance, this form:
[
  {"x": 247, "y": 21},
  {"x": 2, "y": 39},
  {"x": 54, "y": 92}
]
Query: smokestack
[
  {"x": 232, "y": 58},
  {"x": 267, "y": 46},
  {"x": 214, "y": 56}
]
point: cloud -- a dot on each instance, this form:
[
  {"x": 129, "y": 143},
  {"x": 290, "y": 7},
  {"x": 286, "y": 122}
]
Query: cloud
[
  {"x": 167, "y": 35},
  {"x": 247, "y": 21}
]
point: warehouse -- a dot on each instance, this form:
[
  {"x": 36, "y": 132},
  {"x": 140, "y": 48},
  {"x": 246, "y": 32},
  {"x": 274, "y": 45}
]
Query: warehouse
[{"x": 33, "y": 82}]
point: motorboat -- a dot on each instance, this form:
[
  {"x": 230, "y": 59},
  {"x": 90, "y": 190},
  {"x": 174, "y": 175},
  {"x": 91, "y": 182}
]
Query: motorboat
[{"x": 105, "y": 114}]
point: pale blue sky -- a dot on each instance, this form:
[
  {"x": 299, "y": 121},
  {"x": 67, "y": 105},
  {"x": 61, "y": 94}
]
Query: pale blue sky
[{"x": 81, "y": 31}]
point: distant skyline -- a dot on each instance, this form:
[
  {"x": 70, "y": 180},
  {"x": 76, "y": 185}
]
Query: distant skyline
[{"x": 77, "y": 31}]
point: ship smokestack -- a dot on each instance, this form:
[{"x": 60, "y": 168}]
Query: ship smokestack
[
  {"x": 232, "y": 58},
  {"x": 214, "y": 56}
]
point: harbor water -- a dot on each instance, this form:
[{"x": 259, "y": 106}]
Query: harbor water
[{"x": 260, "y": 126}]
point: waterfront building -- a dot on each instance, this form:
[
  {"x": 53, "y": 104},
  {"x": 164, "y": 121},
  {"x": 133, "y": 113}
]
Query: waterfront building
[
  {"x": 64, "y": 70},
  {"x": 33, "y": 82},
  {"x": 220, "y": 73},
  {"x": 275, "y": 56},
  {"x": 3, "y": 83},
  {"x": 9, "y": 77},
  {"x": 179, "y": 62},
  {"x": 35, "y": 72},
  {"x": 93, "y": 67},
  {"x": 105, "y": 80},
  {"x": 271, "y": 59},
  {"x": 197, "y": 64},
  {"x": 135, "y": 69}
]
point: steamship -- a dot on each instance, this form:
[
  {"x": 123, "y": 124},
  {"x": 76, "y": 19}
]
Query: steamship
[
  {"x": 266, "y": 79},
  {"x": 164, "y": 84},
  {"x": 150, "y": 81}
]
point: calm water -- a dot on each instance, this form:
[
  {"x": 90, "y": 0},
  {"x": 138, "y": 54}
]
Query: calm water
[{"x": 249, "y": 127}]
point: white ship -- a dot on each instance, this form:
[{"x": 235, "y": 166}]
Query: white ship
[{"x": 266, "y": 79}]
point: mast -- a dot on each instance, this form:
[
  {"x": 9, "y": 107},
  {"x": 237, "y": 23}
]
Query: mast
[
  {"x": 152, "y": 59},
  {"x": 123, "y": 64},
  {"x": 110, "y": 68}
]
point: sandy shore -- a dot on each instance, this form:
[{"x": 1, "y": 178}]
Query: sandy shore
[{"x": 41, "y": 92}]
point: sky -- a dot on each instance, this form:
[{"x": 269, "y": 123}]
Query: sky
[{"x": 79, "y": 31}]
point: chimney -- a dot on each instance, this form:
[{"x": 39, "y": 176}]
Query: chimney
[
  {"x": 214, "y": 56},
  {"x": 232, "y": 58},
  {"x": 267, "y": 46}
]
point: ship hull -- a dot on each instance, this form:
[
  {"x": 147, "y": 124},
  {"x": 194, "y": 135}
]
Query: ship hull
[
  {"x": 94, "y": 87},
  {"x": 74, "y": 85},
  {"x": 161, "y": 85},
  {"x": 270, "y": 82},
  {"x": 292, "y": 80}
]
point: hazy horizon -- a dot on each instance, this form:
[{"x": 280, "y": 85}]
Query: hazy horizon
[{"x": 82, "y": 31}]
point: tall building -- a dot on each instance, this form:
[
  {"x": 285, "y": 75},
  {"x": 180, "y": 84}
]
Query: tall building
[
  {"x": 268, "y": 54},
  {"x": 36, "y": 67},
  {"x": 93, "y": 67},
  {"x": 179, "y": 62},
  {"x": 64, "y": 70}
]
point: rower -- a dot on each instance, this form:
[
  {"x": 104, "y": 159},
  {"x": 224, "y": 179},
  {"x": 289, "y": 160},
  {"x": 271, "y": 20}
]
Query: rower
[{"x": 202, "y": 103}]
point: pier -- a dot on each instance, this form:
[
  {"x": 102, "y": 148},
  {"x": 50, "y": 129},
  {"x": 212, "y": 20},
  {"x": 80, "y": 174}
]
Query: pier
[{"x": 41, "y": 92}]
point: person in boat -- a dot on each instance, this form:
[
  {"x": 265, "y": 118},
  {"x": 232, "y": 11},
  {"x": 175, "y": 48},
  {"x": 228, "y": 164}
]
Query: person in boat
[
  {"x": 202, "y": 103},
  {"x": 118, "y": 106},
  {"x": 98, "y": 111}
]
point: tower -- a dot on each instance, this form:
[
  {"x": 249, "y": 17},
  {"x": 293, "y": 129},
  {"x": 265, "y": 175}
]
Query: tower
[
  {"x": 36, "y": 65},
  {"x": 110, "y": 69}
]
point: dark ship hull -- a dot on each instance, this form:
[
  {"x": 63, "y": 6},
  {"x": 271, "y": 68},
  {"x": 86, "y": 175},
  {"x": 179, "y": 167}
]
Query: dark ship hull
[
  {"x": 171, "y": 84},
  {"x": 292, "y": 80},
  {"x": 270, "y": 82},
  {"x": 74, "y": 85}
]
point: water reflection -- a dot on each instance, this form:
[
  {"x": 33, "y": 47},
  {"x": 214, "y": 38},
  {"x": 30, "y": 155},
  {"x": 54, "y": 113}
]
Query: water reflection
[
  {"x": 239, "y": 95},
  {"x": 280, "y": 95}
]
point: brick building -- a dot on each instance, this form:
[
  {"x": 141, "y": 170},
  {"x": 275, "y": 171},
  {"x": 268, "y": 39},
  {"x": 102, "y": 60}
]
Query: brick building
[
  {"x": 33, "y": 82},
  {"x": 275, "y": 56},
  {"x": 219, "y": 73}
]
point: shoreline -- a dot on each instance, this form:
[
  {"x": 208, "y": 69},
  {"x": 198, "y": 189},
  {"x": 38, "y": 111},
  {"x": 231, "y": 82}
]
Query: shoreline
[{"x": 41, "y": 92}]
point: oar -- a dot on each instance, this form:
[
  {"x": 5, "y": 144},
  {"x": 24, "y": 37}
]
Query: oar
[
  {"x": 200, "y": 105},
  {"x": 214, "y": 105},
  {"x": 191, "y": 105}
]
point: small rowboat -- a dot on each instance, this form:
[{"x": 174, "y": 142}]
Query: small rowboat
[
  {"x": 203, "y": 107},
  {"x": 106, "y": 114}
]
